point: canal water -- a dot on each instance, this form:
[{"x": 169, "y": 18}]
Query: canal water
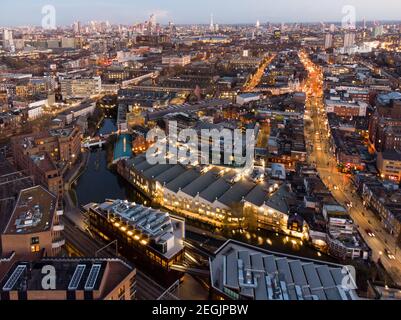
[{"x": 98, "y": 183}]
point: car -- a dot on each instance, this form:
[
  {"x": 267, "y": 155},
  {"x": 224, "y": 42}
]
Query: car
[
  {"x": 370, "y": 233},
  {"x": 389, "y": 254}
]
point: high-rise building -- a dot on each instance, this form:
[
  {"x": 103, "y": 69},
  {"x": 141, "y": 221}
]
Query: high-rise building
[
  {"x": 8, "y": 42},
  {"x": 257, "y": 24},
  {"x": 211, "y": 27},
  {"x": 77, "y": 27},
  {"x": 152, "y": 23},
  {"x": 328, "y": 41},
  {"x": 349, "y": 39}
]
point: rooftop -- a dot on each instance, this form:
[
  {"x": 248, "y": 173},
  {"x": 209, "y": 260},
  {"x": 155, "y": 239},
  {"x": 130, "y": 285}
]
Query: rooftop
[
  {"x": 241, "y": 270},
  {"x": 33, "y": 212},
  {"x": 152, "y": 227},
  {"x": 72, "y": 274}
]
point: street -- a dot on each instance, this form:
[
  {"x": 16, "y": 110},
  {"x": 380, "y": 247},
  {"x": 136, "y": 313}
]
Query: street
[
  {"x": 257, "y": 77},
  {"x": 317, "y": 138}
]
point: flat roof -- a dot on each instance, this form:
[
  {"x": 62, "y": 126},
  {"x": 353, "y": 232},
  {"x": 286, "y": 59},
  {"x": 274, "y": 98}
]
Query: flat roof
[
  {"x": 89, "y": 273},
  {"x": 33, "y": 212}
]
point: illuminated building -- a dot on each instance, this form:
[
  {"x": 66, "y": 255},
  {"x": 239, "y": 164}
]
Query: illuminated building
[
  {"x": 176, "y": 60},
  {"x": 80, "y": 87},
  {"x": 214, "y": 195},
  {"x": 155, "y": 236},
  {"x": 389, "y": 165}
]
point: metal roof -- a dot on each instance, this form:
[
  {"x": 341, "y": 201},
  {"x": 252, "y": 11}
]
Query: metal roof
[
  {"x": 215, "y": 190},
  {"x": 201, "y": 183},
  {"x": 183, "y": 180},
  {"x": 261, "y": 275}
]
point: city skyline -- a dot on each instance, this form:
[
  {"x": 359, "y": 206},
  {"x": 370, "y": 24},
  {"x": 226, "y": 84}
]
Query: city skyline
[{"x": 127, "y": 12}]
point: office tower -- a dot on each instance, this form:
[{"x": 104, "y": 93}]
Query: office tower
[{"x": 211, "y": 27}]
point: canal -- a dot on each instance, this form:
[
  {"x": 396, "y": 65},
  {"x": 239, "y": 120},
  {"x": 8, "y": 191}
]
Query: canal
[{"x": 98, "y": 183}]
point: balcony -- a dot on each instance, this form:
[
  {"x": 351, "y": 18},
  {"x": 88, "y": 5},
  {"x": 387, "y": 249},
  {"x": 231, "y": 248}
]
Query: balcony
[
  {"x": 58, "y": 227},
  {"x": 58, "y": 243}
]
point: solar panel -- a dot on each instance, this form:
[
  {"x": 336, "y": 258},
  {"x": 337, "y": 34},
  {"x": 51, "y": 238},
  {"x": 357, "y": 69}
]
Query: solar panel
[
  {"x": 76, "y": 277},
  {"x": 14, "y": 278},
  {"x": 93, "y": 275}
]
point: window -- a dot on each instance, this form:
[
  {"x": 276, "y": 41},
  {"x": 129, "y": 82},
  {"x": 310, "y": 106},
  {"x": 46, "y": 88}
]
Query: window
[
  {"x": 121, "y": 293},
  {"x": 132, "y": 287},
  {"x": 35, "y": 248},
  {"x": 34, "y": 240}
]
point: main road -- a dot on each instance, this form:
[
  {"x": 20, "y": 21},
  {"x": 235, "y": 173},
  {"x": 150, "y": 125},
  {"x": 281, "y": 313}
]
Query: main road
[
  {"x": 318, "y": 146},
  {"x": 257, "y": 76}
]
